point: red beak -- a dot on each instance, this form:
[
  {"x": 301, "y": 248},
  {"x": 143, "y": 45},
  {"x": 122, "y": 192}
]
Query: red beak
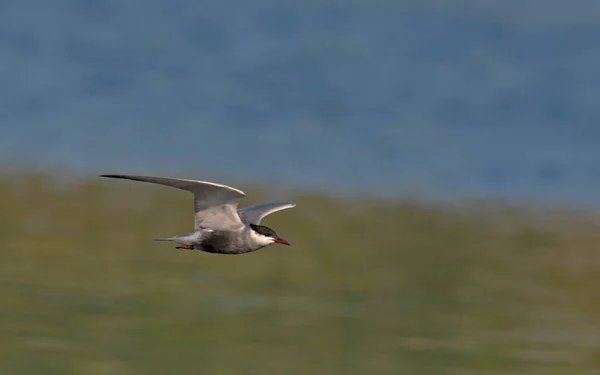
[{"x": 282, "y": 241}]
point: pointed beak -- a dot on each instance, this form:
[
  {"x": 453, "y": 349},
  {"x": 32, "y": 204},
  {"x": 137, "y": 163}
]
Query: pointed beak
[{"x": 282, "y": 241}]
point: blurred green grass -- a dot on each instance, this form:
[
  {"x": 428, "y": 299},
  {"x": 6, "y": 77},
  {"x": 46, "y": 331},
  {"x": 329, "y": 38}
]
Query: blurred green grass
[{"x": 367, "y": 288}]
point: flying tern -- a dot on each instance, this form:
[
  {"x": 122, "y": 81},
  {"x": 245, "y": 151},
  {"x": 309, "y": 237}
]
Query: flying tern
[{"x": 219, "y": 226}]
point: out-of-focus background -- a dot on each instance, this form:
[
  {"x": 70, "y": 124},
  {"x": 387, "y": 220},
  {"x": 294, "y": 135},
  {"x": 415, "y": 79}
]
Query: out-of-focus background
[{"x": 444, "y": 156}]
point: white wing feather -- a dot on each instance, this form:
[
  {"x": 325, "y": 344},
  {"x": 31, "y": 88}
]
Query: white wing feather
[{"x": 254, "y": 214}]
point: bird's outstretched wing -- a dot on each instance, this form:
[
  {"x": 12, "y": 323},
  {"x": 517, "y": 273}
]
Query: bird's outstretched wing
[
  {"x": 254, "y": 214},
  {"x": 215, "y": 205}
]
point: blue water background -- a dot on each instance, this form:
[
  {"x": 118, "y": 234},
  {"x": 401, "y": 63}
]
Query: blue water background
[{"x": 443, "y": 99}]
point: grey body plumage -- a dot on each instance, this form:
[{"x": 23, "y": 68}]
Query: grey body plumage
[{"x": 219, "y": 227}]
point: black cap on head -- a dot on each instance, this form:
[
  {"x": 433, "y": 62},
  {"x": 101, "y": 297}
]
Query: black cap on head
[
  {"x": 268, "y": 232},
  {"x": 265, "y": 231}
]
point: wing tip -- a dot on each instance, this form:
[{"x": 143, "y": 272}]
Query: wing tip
[
  {"x": 145, "y": 178},
  {"x": 288, "y": 204},
  {"x": 113, "y": 175}
]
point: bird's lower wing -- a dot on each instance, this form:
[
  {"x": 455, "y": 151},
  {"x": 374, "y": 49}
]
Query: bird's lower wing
[{"x": 254, "y": 214}]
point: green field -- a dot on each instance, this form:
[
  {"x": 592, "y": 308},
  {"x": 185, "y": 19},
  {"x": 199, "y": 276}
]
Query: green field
[{"x": 370, "y": 287}]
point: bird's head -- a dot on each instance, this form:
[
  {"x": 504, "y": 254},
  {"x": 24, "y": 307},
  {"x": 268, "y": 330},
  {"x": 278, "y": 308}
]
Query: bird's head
[{"x": 266, "y": 235}]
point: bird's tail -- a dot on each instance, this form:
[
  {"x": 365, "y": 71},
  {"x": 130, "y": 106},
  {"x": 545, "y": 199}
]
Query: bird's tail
[{"x": 184, "y": 239}]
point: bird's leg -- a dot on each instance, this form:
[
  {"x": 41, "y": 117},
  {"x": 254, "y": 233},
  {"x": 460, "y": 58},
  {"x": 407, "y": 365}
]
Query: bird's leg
[{"x": 187, "y": 247}]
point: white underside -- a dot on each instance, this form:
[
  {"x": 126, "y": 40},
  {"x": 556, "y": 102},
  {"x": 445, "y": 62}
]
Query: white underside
[{"x": 195, "y": 238}]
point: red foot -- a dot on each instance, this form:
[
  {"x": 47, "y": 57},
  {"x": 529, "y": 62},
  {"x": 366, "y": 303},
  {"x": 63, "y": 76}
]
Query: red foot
[{"x": 188, "y": 247}]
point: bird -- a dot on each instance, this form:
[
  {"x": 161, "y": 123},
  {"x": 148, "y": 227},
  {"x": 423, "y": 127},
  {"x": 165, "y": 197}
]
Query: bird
[{"x": 219, "y": 226}]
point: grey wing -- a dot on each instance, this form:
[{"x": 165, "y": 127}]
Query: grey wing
[
  {"x": 215, "y": 205},
  {"x": 254, "y": 214}
]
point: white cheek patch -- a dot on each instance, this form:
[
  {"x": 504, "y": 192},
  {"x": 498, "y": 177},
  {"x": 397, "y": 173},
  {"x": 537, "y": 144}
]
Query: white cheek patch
[{"x": 259, "y": 238}]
